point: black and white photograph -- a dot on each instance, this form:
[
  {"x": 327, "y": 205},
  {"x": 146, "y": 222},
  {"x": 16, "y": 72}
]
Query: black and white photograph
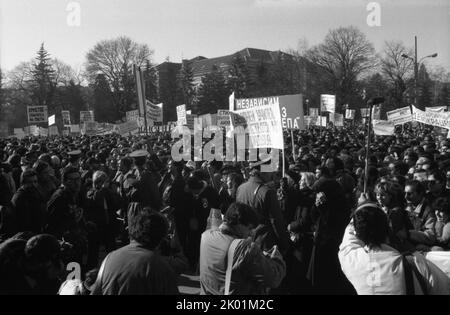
[{"x": 197, "y": 149}]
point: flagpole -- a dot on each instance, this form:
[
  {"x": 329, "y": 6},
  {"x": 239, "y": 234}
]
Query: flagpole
[{"x": 293, "y": 148}]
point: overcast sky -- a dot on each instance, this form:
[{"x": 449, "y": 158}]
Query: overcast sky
[{"x": 188, "y": 28}]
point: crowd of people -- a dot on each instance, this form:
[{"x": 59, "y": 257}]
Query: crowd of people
[{"x": 135, "y": 220}]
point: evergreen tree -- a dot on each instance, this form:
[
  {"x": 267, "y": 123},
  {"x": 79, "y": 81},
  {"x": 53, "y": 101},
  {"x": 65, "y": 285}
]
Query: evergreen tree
[
  {"x": 239, "y": 79},
  {"x": 213, "y": 93},
  {"x": 186, "y": 84},
  {"x": 43, "y": 87}
]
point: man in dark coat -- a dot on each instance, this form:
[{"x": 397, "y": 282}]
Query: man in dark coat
[
  {"x": 28, "y": 204},
  {"x": 257, "y": 194},
  {"x": 65, "y": 213}
]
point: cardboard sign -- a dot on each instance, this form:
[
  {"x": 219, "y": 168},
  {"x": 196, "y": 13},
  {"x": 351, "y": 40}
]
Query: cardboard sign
[
  {"x": 65, "y": 114},
  {"x": 328, "y": 103},
  {"x": 431, "y": 118},
  {"x": 37, "y": 114},
  {"x": 132, "y": 115},
  {"x": 86, "y": 116},
  {"x": 126, "y": 127},
  {"x": 263, "y": 126},
  {"x": 337, "y": 119},
  {"x": 314, "y": 112},
  {"x": 400, "y": 116},
  {"x": 181, "y": 115},
  {"x": 350, "y": 114},
  {"x": 290, "y": 107},
  {"x": 51, "y": 120}
]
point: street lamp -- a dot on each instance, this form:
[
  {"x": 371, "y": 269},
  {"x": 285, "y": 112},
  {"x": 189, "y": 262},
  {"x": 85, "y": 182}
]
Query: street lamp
[{"x": 416, "y": 67}]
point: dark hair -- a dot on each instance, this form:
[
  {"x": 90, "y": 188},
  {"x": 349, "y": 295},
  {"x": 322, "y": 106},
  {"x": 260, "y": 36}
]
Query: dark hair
[
  {"x": 418, "y": 186},
  {"x": 394, "y": 190},
  {"x": 194, "y": 182},
  {"x": 438, "y": 175},
  {"x": 236, "y": 179},
  {"x": 40, "y": 166},
  {"x": 371, "y": 225},
  {"x": 42, "y": 248},
  {"x": 26, "y": 175},
  {"x": 128, "y": 162},
  {"x": 240, "y": 213},
  {"x": 68, "y": 171},
  {"x": 147, "y": 227},
  {"x": 442, "y": 204}
]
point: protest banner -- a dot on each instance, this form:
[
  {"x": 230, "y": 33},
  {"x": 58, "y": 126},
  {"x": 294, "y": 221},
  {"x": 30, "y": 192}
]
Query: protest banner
[
  {"x": 181, "y": 115},
  {"x": 190, "y": 121},
  {"x": 89, "y": 128},
  {"x": 125, "y": 128},
  {"x": 327, "y": 103},
  {"x": 436, "y": 109},
  {"x": 65, "y": 114},
  {"x": 314, "y": 112},
  {"x": 231, "y": 102},
  {"x": 337, "y": 119},
  {"x": 323, "y": 121},
  {"x": 350, "y": 114},
  {"x": 19, "y": 133},
  {"x": 42, "y": 132},
  {"x": 132, "y": 115},
  {"x": 223, "y": 118},
  {"x": 263, "y": 126},
  {"x": 364, "y": 112},
  {"x": 33, "y": 130},
  {"x": 37, "y": 114},
  {"x": 431, "y": 118},
  {"x": 290, "y": 107},
  {"x": 383, "y": 127},
  {"x": 86, "y": 116},
  {"x": 53, "y": 131},
  {"x": 376, "y": 112},
  {"x": 400, "y": 116},
  {"x": 75, "y": 128},
  {"x": 154, "y": 112},
  {"x": 51, "y": 120}
]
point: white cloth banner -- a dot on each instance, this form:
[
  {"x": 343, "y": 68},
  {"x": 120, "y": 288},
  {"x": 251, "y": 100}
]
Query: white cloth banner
[
  {"x": 431, "y": 118},
  {"x": 328, "y": 103},
  {"x": 383, "y": 127},
  {"x": 154, "y": 112},
  {"x": 263, "y": 126},
  {"x": 400, "y": 116},
  {"x": 436, "y": 109}
]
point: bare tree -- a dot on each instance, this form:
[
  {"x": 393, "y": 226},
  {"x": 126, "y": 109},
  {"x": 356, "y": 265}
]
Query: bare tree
[
  {"x": 398, "y": 70},
  {"x": 114, "y": 59},
  {"x": 345, "y": 56},
  {"x": 64, "y": 73}
]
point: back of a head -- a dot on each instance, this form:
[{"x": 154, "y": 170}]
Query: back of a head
[
  {"x": 42, "y": 248},
  {"x": 147, "y": 227},
  {"x": 371, "y": 225},
  {"x": 240, "y": 213}
]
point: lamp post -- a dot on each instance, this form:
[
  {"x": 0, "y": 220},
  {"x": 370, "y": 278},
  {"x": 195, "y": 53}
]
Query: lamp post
[{"x": 416, "y": 67}]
